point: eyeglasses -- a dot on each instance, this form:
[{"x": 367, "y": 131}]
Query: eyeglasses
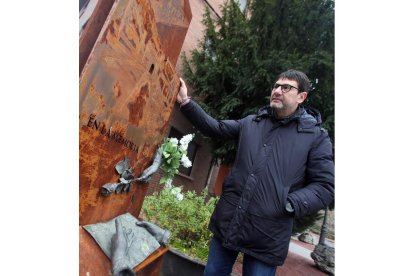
[{"x": 285, "y": 87}]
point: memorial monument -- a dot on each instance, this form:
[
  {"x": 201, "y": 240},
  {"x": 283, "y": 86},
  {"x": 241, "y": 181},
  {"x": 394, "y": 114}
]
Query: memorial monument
[{"x": 127, "y": 91}]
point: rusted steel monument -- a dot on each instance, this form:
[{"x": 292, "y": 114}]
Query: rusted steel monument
[{"x": 127, "y": 91}]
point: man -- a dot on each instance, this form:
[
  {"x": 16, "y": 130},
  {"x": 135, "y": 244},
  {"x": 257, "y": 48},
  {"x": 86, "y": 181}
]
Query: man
[{"x": 283, "y": 169}]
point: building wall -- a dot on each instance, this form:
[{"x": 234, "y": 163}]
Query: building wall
[
  {"x": 202, "y": 172},
  {"x": 195, "y": 31}
]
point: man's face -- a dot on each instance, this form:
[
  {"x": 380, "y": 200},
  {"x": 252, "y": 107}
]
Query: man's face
[{"x": 285, "y": 103}]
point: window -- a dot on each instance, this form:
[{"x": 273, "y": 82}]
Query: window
[{"x": 191, "y": 151}]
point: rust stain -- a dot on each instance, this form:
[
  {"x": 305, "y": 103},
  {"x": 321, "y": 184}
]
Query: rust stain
[
  {"x": 101, "y": 102},
  {"x": 132, "y": 43},
  {"x": 136, "y": 109},
  {"x": 165, "y": 91},
  {"x": 109, "y": 30},
  {"x": 135, "y": 28},
  {"x": 161, "y": 82},
  {"x": 92, "y": 89},
  {"x": 131, "y": 32},
  {"x": 117, "y": 89},
  {"x": 172, "y": 19},
  {"x": 147, "y": 26},
  {"x": 124, "y": 43}
]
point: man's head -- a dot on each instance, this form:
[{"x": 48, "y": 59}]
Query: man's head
[{"x": 289, "y": 91}]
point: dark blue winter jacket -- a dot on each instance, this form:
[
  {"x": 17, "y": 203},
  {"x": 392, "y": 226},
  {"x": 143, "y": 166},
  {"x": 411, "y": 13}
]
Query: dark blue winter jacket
[{"x": 277, "y": 160}]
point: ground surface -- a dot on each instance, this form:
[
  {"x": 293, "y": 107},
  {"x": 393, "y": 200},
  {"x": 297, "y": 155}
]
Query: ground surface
[{"x": 297, "y": 263}]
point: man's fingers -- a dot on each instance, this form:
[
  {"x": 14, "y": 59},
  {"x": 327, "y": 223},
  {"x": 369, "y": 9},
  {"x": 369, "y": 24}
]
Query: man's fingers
[
  {"x": 182, "y": 83},
  {"x": 140, "y": 223},
  {"x": 144, "y": 224},
  {"x": 118, "y": 226}
]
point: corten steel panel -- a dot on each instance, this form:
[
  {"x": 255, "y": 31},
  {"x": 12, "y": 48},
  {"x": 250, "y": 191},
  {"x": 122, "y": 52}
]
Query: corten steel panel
[
  {"x": 173, "y": 18},
  {"x": 128, "y": 88},
  {"x": 92, "y": 29}
]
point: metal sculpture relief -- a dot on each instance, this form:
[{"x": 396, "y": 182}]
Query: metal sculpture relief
[
  {"x": 126, "y": 175},
  {"x": 127, "y": 241}
]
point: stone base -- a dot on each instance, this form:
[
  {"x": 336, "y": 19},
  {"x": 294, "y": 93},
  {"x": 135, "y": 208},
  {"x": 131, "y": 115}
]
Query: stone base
[
  {"x": 324, "y": 257},
  {"x": 306, "y": 237}
]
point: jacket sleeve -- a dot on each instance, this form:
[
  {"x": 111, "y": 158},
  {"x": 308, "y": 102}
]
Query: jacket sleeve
[
  {"x": 222, "y": 129},
  {"x": 318, "y": 191}
]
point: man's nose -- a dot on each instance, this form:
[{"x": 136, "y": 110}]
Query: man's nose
[{"x": 277, "y": 91}]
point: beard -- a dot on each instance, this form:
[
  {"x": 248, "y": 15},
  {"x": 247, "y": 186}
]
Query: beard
[
  {"x": 281, "y": 110},
  {"x": 277, "y": 105}
]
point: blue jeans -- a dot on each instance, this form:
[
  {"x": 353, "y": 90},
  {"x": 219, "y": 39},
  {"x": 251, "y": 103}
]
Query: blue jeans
[{"x": 221, "y": 260}]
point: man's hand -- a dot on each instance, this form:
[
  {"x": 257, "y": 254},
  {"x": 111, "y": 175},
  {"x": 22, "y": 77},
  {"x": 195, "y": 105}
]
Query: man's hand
[
  {"x": 161, "y": 235},
  {"x": 146, "y": 174},
  {"x": 120, "y": 244},
  {"x": 182, "y": 93}
]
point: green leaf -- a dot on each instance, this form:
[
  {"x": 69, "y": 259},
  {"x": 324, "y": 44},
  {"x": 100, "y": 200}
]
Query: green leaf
[{"x": 163, "y": 179}]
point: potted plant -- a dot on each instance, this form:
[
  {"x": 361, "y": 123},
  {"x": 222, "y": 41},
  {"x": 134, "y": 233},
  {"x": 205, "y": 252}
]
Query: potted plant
[
  {"x": 187, "y": 218},
  {"x": 185, "y": 215}
]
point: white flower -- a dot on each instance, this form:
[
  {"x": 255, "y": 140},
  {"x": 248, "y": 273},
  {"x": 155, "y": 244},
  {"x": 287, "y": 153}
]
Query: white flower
[
  {"x": 179, "y": 196},
  {"x": 174, "y": 153},
  {"x": 183, "y": 147},
  {"x": 185, "y": 161},
  {"x": 174, "y": 141},
  {"x": 186, "y": 139},
  {"x": 175, "y": 190},
  {"x": 168, "y": 183}
]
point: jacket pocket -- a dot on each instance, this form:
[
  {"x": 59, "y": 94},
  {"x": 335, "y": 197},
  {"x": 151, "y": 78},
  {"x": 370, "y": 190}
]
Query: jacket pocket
[{"x": 266, "y": 237}]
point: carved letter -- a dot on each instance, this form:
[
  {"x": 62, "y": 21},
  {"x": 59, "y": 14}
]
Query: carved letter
[
  {"x": 103, "y": 129},
  {"x": 96, "y": 124},
  {"x": 108, "y": 134},
  {"x": 91, "y": 120},
  {"x": 126, "y": 142}
]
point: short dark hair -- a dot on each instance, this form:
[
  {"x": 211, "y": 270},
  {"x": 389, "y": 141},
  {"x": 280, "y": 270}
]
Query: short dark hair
[{"x": 299, "y": 77}]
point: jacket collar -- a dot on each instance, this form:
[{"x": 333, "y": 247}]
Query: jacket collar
[{"x": 307, "y": 118}]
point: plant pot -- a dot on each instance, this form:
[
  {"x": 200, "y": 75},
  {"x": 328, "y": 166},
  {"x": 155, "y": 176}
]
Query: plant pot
[{"x": 177, "y": 263}]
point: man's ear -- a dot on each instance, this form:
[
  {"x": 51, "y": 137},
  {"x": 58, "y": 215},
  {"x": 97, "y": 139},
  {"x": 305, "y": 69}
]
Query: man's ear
[{"x": 302, "y": 97}]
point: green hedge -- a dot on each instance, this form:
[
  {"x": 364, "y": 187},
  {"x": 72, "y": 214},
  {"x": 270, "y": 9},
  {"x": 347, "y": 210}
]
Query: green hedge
[{"x": 187, "y": 220}]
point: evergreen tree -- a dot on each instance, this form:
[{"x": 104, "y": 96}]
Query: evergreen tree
[
  {"x": 240, "y": 56},
  {"x": 218, "y": 73}
]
